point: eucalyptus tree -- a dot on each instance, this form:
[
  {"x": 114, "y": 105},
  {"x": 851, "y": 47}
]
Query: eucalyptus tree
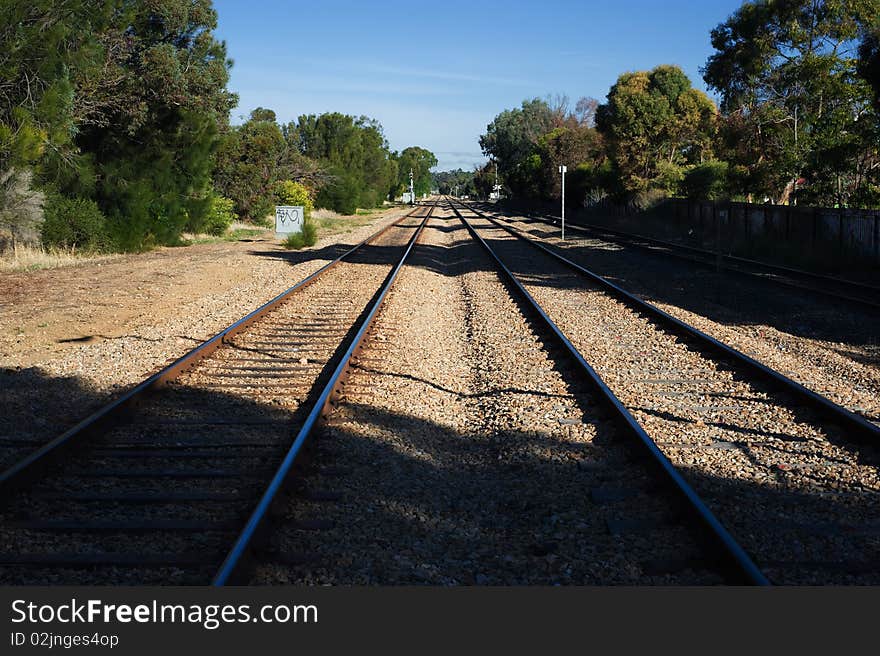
[
  {"x": 654, "y": 121},
  {"x": 795, "y": 104},
  {"x": 420, "y": 161}
]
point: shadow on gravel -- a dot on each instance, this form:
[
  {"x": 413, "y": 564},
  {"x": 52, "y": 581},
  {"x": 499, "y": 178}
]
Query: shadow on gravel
[
  {"x": 36, "y": 407},
  {"x": 415, "y": 502},
  {"x": 423, "y": 504},
  {"x": 729, "y": 299},
  {"x": 440, "y": 388}
]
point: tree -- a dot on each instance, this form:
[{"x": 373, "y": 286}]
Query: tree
[
  {"x": 574, "y": 145},
  {"x": 420, "y": 162},
  {"x": 42, "y": 44},
  {"x": 654, "y": 118},
  {"x": 529, "y": 143},
  {"x": 149, "y": 124},
  {"x": 248, "y": 164},
  {"x": 788, "y": 77},
  {"x": 510, "y": 140},
  {"x": 458, "y": 182},
  {"x": 869, "y": 61},
  {"x": 484, "y": 180},
  {"x": 354, "y": 153}
]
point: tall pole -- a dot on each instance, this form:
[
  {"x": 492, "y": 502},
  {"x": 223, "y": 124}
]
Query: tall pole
[
  {"x": 562, "y": 170},
  {"x": 412, "y": 194}
]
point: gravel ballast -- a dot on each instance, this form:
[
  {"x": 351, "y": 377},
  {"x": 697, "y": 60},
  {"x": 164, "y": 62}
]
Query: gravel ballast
[
  {"x": 800, "y": 498},
  {"x": 829, "y": 346},
  {"x": 42, "y": 395},
  {"x": 463, "y": 455},
  {"x": 466, "y": 449},
  {"x": 220, "y": 428}
]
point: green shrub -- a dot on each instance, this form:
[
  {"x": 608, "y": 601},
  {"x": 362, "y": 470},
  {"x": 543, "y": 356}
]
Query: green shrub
[
  {"x": 74, "y": 223},
  {"x": 707, "y": 181},
  {"x": 340, "y": 195},
  {"x": 307, "y": 237},
  {"x": 219, "y": 216},
  {"x": 669, "y": 178},
  {"x": 647, "y": 200},
  {"x": 288, "y": 192}
]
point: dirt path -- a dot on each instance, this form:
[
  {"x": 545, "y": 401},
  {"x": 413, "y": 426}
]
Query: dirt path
[
  {"x": 71, "y": 336},
  {"x": 45, "y": 314}
]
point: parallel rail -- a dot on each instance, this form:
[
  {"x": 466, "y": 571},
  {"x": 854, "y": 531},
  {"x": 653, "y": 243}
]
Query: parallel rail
[
  {"x": 858, "y": 427},
  {"x": 850, "y": 291},
  {"x": 25, "y": 469},
  {"x": 235, "y": 563},
  {"x": 736, "y": 563}
]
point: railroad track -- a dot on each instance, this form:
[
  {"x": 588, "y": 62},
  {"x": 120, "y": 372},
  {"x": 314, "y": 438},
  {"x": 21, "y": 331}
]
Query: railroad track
[
  {"x": 176, "y": 481},
  {"x": 864, "y": 295},
  {"x": 476, "y": 454},
  {"x": 791, "y": 475}
]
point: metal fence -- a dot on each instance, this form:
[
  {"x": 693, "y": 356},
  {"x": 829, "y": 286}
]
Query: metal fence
[{"x": 815, "y": 233}]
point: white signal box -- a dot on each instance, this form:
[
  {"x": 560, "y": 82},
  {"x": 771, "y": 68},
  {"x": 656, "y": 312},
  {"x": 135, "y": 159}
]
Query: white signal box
[{"x": 288, "y": 219}]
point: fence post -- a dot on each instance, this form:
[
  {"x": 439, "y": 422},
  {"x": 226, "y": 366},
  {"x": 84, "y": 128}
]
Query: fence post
[
  {"x": 876, "y": 239},
  {"x": 747, "y": 225},
  {"x": 815, "y": 232}
]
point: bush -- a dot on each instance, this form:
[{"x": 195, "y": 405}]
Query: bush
[
  {"x": 219, "y": 216},
  {"x": 307, "y": 237},
  {"x": 74, "y": 223},
  {"x": 341, "y": 195},
  {"x": 288, "y": 192},
  {"x": 707, "y": 181},
  {"x": 669, "y": 178}
]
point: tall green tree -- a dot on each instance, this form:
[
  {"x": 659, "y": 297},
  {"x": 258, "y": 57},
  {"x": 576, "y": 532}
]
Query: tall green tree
[
  {"x": 248, "y": 164},
  {"x": 42, "y": 46},
  {"x": 149, "y": 113},
  {"x": 354, "y": 153},
  {"x": 457, "y": 181},
  {"x": 420, "y": 161},
  {"x": 787, "y": 72},
  {"x": 655, "y": 121},
  {"x": 511, "y": 140},
  {"x": 530, "y": 142},
  {"x": 869, "y": 61}
]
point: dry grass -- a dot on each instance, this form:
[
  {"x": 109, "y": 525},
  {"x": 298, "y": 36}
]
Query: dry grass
[
  {"x": 324, "y": 214},
  {"x": 32, "y": 258}
]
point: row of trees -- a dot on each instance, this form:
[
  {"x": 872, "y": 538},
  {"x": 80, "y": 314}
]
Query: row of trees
[
  {"x": 113, "y": 102},
  {"x": 799, "y": 118},
  {"x": 457, "y": 181},
  {"x": 115, "y": 130}
]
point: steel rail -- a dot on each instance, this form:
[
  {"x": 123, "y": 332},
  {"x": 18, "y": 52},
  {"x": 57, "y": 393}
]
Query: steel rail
[
  {"x": 737, "y": 563},
  {"x": 859, "y": 428},
  {"x": 652, "y": 245},
  {"x": 29, "y": 466},
  {"x": 233, "y": 568}
]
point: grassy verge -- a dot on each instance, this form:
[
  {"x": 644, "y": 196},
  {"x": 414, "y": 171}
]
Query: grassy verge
[
  {"x": 237, "y": 232},
  {"x": 307, "y": 237},
  {"x": 33, "y": 258},
  {"x": 339, "y": 224},
  {"x": 328, "y": 223}
]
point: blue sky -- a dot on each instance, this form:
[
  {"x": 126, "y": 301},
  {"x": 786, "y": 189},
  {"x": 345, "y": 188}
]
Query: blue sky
[{"x": 435, "y": 74}]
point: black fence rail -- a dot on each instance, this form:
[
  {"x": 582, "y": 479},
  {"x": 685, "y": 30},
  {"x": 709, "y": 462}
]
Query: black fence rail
[
  {"x": 823, "y": 233},
  {"x": 840, "y": 241}
]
